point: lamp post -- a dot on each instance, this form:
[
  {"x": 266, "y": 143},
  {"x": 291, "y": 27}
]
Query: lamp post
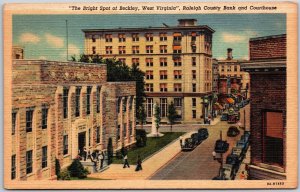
[{"x": 205, "y": 104}]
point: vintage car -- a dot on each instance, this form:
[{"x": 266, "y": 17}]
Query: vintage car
[
  {"x": 221, "y": 146},
  {"x": 233, "y": 160},
  {"x": 238, "y": 151},
  {"x": 224, "y": 116},
  {"x": 233, "y": 131},
  {"x": 188, "y": 145},
  {"x": 195, "y": 139},
  {"x": 202, "y": 134},
  {"x": 243, "y": 144},
  {"x": 228, "y": 172}
]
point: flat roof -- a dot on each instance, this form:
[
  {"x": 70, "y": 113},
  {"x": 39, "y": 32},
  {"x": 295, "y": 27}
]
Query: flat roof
[{"x": 267, "y": 37}]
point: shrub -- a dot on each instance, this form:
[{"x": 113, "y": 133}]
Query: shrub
[
  {"x": 57, "y": 168},
  {"x": 141, "y": 138},
  {"x": 110, "y": 151},
  {"x": 65, "y": 175},
  {"x": 76, "y": 169}
]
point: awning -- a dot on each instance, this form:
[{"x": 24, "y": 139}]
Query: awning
[
  {"x": 176, "y": 47},
  {"x": 230, "y": 100}
]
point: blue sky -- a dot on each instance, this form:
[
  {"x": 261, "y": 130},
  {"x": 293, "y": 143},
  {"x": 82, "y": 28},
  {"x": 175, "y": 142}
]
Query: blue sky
[{"x": 44, "y": 36}]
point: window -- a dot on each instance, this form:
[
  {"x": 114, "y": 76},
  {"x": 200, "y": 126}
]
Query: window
[
  {"x": 163, "y": 107},
  {"x": 13, "y": 122},
  {"x": 163, "y": 62},
  {"x": 77, "y": 101},
  {"x": 28, "y": 162},
  {"x": 273, "y": 138},
  {"x": 163, "y": 87},
  {"x": 177, "y": 62},
  {"x": 163, "y": 74},
  {"x": 93, "y": 50},
  {"x": 194, "y": 48},
  {"x": 122, "y": 49},
  {"x": 177, "y": 87},
  {"x": 89, "y": 136},
  {"x": 194, "y": 87},
  {"x": 124, "y": 104},
  {"x": 135, "y": 37},
  {"x": 194, "y": 61},
  {"x": 149, "y": 107},
  {"x": 65, "y": 101},
  {"x": 98, "y": 99},
  {"x": 135, "y": 49},
  {"x": 108, "y": 37},
  {"x": 177, "y": 49},
  {"x": 122, "y": 37},
  {"x": 228, "y": 67},
  {"x": 149, "y": 87},
  {"x": 222, "y": 69},
  {"x": 29, "y": 114},
  {"x": 98, "y": 134},
  {"x": 44, "y": 156},
  {"x": 194, "y": 74},
  {"x": 88, "y": 100},
  {"x": 149, "y": 36},
  {"x": 235, "y": 68},
  {"x": 177, "y": 102},
  {"x": 119, "y": 105},
  {"x": 149, "y": 48},
  {"x": 194, "y": 35},
  {"x": 13, "y": 166},
  {"x": 108, "y": 49},
  {"x": 177, "y": 74},
  {"x": 163, "y": 36},
  {"x": 122, "y": 60},
  {"x": 93, "y": 38},
  {"x": 149, "y": 62},
  {"x": 130, "y": 128},
  {"x": 194, "y": 114},
  {"x": 177, "y": 36},
  {"x": 163, "y": 48},
  {"x": 136, "y": 61},
  {"x": 44, "y": 117},
  {"x": 118, "y": 132},
  {"x": 124, "y": 130},
  {"x": 149, "y": 74},
  {"x": 65, "y": 145},
  {"x": 194, "y": 102}
]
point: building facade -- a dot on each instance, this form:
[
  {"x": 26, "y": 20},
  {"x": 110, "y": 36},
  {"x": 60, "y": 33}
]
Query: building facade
[
  {"x": 267, "y": 68},
  {"x": 58, "y": 108},
  {"x": 17, "y": 52},
  {"x": 215, "y": 83},
  {"x": 177, "y": 61},
  {"x": 231, "y": 78}
]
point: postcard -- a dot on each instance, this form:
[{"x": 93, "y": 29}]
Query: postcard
[{"x": 159, "y": 95}]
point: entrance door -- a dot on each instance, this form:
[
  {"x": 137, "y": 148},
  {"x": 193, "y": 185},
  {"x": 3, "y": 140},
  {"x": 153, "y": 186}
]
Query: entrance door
[{"x": 81, "y": 142}]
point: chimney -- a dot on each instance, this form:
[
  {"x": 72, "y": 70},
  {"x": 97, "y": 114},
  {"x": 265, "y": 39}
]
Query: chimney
[
  {"x": 229, "y": 54},
  {"x": 187, "y": 22}
]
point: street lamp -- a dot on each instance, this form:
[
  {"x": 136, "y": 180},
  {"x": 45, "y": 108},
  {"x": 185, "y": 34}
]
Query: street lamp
[{"x": 205, "y": 103}]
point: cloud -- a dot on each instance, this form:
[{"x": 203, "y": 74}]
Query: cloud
[
  {"x": 54, "y": 41},
  {"x": 233, "y": 38},
  {"x": 29, "y": 38}
]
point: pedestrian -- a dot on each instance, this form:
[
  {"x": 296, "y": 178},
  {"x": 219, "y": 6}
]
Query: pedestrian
[
  {"x": 125, "y": 159},
  {"x": 214, "y": 155},
  {"x": 243, "y": 175},
  {"x": 84, "y": 154},
  {"x": 101, "y": 158},
  {"x": 138, "y": 164},
  {"x": 180, "y": 140}
]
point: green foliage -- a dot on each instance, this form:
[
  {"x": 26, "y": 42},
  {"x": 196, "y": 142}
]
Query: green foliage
[
  {"x": 141, "y": 115},
  {"x": 57, "y": 168},
  {"x": 65, "y": 175},
  {"x": 157, "y": 117},
  {"x": 76, "y": 169},
  {"x": 141, "y": 138},
  {"x": 110, "y": 151},
  {"x": 172, "y": 114}
]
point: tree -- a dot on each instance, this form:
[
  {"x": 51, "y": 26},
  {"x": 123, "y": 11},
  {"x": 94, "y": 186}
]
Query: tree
[
  {"x": 157, "y": 117},
  {"x": 110, "y": 151},
  {"x": 172, "y": 114},
  {"x": 141, "y": 115}
]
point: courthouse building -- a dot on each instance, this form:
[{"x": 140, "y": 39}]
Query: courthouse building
[
  {"x": 58, "y": 108},
  {"x": 267, "y": 68},
  {"x": 177, "y": 61}
]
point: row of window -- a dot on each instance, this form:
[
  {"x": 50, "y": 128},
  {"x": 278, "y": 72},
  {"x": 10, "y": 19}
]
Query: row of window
[
  {"x": 136, "y": 49},
  {"x": 130, "y": 129},
  {"x": 229, "y": 68},
  {"x": 163, "y": 36},
  {"x": 163, "y": 74},
  {"x": 163, "y": 87},
  {"x": 124, "y": 104},
  {"x": 163, "y": 61}
]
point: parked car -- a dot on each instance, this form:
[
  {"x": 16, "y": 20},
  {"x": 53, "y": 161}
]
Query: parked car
[
  {"x": 228, "y": 172},
  {"x": 221, "y": 146},
  {"x": 233, "y": 160},
  {"x": 195, "y": 139},
  {"x": 188, "y": 145},
  {"x": 233, "y": 131},
  {"x": 202, "y": 134},
  {"x": 224, "y": 116},
  {"x": 243, "y": 145},
  {"x": 238, "y": 151}
]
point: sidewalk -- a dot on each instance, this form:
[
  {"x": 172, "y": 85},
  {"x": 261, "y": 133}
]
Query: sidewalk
[
  {"x": 150, "y": 165},
  {"x": 243, "y": 165}
]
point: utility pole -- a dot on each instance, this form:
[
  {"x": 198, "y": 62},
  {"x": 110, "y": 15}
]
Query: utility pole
[{"x": 67, "y": 40}]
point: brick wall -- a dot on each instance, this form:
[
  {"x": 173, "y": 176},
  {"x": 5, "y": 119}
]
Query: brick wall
[
  {"x": 268, "y": 91},
  {"x": 268, "y": 47}
]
